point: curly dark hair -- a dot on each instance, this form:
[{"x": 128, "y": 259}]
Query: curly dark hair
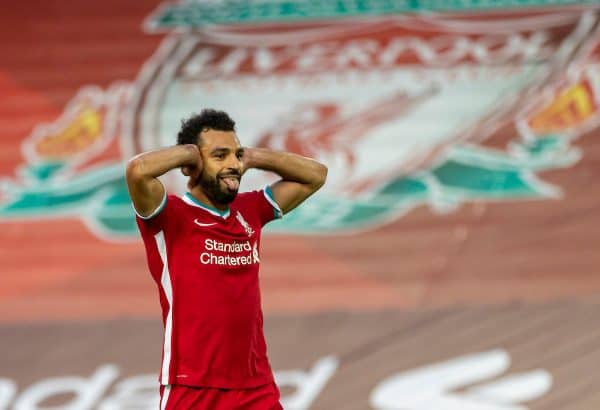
[{"x": 207, "y": 119}]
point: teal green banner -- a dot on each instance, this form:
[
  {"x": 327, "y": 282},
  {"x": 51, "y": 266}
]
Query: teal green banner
[{"x": 200, "y": 13}]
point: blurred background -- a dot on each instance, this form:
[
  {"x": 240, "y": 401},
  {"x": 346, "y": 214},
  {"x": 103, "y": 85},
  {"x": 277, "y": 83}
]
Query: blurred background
[{"x": 450, "y": 262}]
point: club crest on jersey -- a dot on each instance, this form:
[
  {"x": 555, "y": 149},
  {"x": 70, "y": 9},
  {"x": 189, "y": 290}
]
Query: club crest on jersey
[
  {"x": 405, "y": 111},
  {"x": 242, "y": 221}
]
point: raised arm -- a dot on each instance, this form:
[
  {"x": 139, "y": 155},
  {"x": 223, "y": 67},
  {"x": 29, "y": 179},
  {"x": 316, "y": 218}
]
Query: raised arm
[
  {"x": 143, "y": 170},
  {"x": 300, "y": 176}
]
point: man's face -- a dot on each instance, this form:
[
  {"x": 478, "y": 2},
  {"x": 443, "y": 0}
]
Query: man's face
[{"x": 222, "y": 165}]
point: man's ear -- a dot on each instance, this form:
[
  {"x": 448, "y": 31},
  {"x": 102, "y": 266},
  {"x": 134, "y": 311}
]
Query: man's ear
[{"x": 186, "y": 170}]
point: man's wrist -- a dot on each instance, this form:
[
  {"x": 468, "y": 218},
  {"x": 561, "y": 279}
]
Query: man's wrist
[
  {"x": 249, "y": 158},
  {"x": 192, "y": 155}
]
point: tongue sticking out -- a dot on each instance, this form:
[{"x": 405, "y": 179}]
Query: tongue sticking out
[{"x": 232, "y": 183}]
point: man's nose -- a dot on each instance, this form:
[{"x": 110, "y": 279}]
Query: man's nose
[{"x": 235, "y": 163}]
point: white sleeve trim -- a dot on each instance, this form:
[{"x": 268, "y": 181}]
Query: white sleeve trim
[
  {"x": 156, "y": 211},
  {"x": 269, "y": 196}
]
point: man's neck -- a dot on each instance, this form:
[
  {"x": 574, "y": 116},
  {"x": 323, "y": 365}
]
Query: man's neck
[{"x": 204, "y": 199}]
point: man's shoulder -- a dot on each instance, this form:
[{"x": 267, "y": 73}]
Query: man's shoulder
[
  {"x": 245, "y": 197},
  {"x": 245, "y": 201},
  {"x": 174, "y": 199},
  {"x": 169, "y": 208},
  {"x": 177, "y": 202}
]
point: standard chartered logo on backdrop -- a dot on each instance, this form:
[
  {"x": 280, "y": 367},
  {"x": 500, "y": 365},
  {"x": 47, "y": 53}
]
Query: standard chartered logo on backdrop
[
  {"x": 477, "y": 376},
  {"x": 400, "y": 109}
]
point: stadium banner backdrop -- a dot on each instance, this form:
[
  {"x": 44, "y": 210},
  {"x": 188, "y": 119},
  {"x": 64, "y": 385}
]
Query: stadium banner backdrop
[
  {"x": 462, "y": 146},
  {"x": 402, "y": 109}
]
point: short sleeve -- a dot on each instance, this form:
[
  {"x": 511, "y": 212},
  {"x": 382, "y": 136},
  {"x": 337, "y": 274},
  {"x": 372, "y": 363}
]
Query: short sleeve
[
  {"x": 156, "y": 221},
  {"x": 275, "y": 210},
  {"x": 261, "y": 204}
]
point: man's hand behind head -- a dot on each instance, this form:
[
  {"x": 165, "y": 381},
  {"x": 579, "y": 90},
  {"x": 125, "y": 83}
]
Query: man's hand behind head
[{"x": 193, "y": 170}]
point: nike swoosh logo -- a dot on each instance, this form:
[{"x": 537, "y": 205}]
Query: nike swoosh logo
[{"x": 203, "y": 224}]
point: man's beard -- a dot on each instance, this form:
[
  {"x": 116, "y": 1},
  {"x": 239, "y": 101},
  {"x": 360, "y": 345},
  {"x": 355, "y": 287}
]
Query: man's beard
[{"x": 212, "y": 187}]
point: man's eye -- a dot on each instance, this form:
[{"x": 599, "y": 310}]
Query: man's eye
[{"x": 240, "y": 155}]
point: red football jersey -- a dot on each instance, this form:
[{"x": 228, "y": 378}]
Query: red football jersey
[{"x": 205, "y": 263}]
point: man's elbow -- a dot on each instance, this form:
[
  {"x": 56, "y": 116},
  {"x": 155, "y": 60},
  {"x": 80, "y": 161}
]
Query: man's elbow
[
  {"x": 134, "y": 170},
  {"x": 320, "y": 177}
]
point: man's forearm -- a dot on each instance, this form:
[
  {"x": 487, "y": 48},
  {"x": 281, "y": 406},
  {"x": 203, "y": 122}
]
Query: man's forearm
[
  {"x": 290, "y": 167},
  {"x": 143, "y": 170},
  {"x": 153, "y": 164}
]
